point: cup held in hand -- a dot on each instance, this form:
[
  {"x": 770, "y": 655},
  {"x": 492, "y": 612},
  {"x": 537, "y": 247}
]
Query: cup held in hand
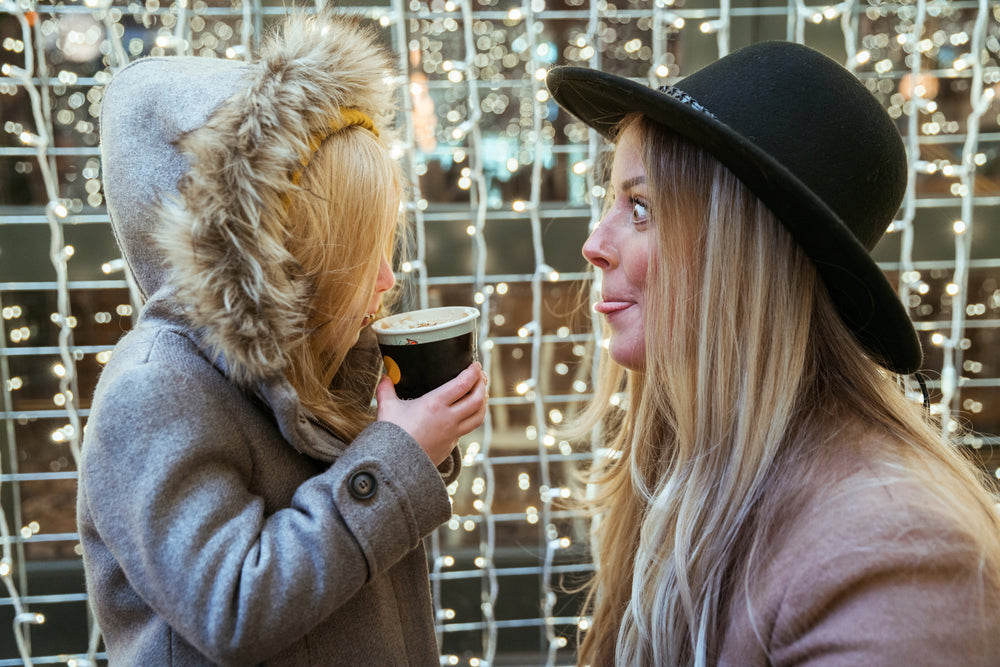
[{"x": 423, "y": 349}]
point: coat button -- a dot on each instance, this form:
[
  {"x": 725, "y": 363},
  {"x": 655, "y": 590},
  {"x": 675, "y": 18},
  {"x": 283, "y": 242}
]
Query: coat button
[{"x": 362, "y": 485}]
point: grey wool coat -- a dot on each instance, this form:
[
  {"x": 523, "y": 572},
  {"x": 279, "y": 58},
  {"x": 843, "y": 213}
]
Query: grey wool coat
[{"x": 220, "y": 523}]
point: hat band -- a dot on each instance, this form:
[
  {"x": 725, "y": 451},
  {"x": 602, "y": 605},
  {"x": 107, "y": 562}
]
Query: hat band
[
  {"x": 684, "y": 98},
  {"x": 348, "y": 117}
]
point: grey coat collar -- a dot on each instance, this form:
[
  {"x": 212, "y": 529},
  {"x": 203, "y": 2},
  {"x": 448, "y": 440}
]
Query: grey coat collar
[{"x": 298, "y": 426}]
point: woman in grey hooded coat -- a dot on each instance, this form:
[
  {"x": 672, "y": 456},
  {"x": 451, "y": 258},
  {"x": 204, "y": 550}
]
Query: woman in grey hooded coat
[{"x": 238, "y": 502}]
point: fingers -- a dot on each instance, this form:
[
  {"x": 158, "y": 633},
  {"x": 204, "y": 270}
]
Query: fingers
[
  {"x": 462, "y": 385},
  {"x": 470, "y": 411},
  {"x": 473, "y": 421},
  {"x": 471, "y": 402}
]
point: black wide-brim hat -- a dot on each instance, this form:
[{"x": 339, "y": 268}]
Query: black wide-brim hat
[{"x": 807, "y": 137}]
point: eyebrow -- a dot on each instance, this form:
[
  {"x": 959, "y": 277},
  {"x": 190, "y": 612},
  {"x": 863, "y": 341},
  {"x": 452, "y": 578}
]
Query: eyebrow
[{"x": 632, "y": 182}]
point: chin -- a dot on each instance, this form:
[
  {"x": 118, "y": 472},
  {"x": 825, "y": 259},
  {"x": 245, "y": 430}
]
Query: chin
[
  {"x": 630, "y": 359},
  {"x": 635, "y": 366}
]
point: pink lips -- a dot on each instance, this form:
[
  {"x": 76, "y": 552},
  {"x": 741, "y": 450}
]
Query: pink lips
[{"x": 608, "y": 307}]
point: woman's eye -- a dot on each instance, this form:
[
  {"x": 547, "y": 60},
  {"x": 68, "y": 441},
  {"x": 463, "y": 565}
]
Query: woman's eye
[{"x": 639, "y": 212}]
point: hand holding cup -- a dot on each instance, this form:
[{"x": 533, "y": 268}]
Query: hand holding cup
[
  {"x": 440, "y": 417},
  {"x": 430, "y": 356}
]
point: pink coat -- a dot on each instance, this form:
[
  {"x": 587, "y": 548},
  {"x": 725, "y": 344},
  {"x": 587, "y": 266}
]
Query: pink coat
[{"x": 871, "y": 570}]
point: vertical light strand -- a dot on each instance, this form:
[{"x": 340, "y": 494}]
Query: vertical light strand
[
  {"x": 181, "y": 41},
  {"x": 416, "y": 203},
  {"x": 59, "y": 254},
  {"x": 659, "y": 44},
  {"x": 722, "y": 32},
  {"x": 177, "y": 41},
  {"x": 489, "y": 584},
  {"x": 663, "y": 20},
  {"x": 542, "y": 271},
  {"x": 10, "y": 556},
  {"x": 801, "y": 12},
  {"x": 8, "y": 559},
  {"x": 979, "y": 102},
  {"x": 908, "y": 276},
  {"x": 111, "y": 31},
  {"x": 848, "y": 12},
  {"x": 246, "y": 7},
  {"x": 720, "y": 27}
]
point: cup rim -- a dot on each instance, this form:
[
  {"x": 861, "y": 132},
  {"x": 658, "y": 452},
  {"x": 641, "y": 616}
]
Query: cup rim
[{"x": 469, "y": 315}]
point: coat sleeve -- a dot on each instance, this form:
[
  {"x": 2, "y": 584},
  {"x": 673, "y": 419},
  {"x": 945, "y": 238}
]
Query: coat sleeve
[
  {"x": 886, "y": 581},
  {"x": 167, "y": 483}
]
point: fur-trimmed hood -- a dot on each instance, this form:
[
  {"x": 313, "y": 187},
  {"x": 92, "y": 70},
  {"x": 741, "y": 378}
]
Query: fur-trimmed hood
[{"x": 198, "y": 157}]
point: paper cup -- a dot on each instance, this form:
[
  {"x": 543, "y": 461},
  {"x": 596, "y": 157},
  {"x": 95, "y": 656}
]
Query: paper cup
[{"x": 423, "y": 349}]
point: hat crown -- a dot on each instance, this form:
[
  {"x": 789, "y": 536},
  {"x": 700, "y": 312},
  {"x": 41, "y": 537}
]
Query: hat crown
[{"x": 817, "y": 120}]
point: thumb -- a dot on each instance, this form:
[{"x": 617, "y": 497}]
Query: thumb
[{"x": 385, "y": 389}]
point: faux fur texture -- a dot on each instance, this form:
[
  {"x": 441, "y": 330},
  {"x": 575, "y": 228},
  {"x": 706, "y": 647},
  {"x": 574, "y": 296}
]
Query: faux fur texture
[{"x": 225, "y": 242}]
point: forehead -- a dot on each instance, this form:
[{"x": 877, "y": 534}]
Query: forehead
[{"x": 627, "y": 164}]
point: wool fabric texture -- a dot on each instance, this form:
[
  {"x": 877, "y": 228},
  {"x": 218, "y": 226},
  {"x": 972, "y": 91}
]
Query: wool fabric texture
[
  {"x": 870, "y": 568},
  {"x": 220, "y": 522}
]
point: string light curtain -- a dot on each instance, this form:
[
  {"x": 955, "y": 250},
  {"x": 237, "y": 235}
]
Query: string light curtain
[{"x": 503, "y": 188}]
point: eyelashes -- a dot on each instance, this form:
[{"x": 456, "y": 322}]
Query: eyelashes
[{"x": 640, "y": 210}]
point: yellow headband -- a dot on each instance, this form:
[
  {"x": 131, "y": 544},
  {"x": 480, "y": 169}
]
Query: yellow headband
[
  {"x": 348, "y": 117},
  {"x": 353, "y": 117}
]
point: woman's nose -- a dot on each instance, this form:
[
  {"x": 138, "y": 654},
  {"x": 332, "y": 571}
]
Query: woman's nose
[
  {"x": 386, "y": 279},
  {"x": 596, "y": 249}
]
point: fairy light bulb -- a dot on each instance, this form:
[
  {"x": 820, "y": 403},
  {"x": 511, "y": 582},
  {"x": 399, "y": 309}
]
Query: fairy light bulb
[{"x": 31, "y": 139}]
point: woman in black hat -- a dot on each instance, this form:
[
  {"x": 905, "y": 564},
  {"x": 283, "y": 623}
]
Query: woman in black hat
[{"x": 772, "y": 496}]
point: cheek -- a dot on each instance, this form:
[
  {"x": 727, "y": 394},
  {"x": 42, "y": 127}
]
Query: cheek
[{"x": 637, "y": 266}]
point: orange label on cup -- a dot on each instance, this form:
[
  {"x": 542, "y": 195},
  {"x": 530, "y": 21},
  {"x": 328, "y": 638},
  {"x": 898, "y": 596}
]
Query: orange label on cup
[{"x": 391, "y": 369}]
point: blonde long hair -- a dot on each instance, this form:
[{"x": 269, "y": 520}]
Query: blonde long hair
[
  {"x": 751, "y": 382},
  {"x": 340, "y": 223}
]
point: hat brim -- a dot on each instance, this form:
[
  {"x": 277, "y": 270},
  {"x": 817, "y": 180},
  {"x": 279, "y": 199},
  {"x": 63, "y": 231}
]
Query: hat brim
[{"x": 867, "y": 302}]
